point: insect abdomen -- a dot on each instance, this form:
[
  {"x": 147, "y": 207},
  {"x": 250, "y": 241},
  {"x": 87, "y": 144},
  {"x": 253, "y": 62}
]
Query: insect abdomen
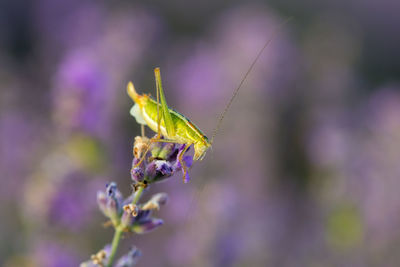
[{"x": 186, "y": 131}]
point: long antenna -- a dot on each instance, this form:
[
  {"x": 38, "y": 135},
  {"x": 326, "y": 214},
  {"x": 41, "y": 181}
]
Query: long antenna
[{"x": 221, "y": 117}]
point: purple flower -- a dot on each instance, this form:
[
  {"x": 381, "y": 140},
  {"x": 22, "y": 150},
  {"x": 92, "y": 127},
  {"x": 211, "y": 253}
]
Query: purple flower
[
  {"x": 158, "y": 170},
  {"x": 131, "y": 217},
  {"x": 99, "y": 259},
  {"x": 145, "y": 226},
  {"x": 156, "y": 201},
  {"x": 143, "y": 215},
  {"x": 137, "y": 174},
  {"x": 163, "y": 168},
  {"x": 110, "y": 202},
  {"x": 130, "y": 259},
  {"x": 162, "y": 164},
  {"x": 138, "y": 218},
  {"x": 187, "y": 160}
]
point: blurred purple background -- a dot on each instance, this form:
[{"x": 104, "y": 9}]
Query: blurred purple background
[{"x": 304, "y": 172}]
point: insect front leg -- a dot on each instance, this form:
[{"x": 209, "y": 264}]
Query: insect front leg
[{"x": 142, "y": 130}]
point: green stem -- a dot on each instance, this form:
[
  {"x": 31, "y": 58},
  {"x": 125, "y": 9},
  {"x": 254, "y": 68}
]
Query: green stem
[
  {"x": 118, "y": 231},
  {"x": 138, "y": 195},
  {"x": 114, "y": 245}
]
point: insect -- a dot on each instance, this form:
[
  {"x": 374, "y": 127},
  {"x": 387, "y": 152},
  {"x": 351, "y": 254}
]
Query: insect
[{"x": 173, "y": 126}]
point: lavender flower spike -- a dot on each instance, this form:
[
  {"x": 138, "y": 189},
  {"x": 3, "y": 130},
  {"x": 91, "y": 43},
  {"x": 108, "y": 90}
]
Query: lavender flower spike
[{"x": 153, "y": 162}]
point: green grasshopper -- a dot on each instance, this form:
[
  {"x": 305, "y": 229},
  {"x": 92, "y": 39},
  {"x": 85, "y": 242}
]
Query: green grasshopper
[{"x": 173, "y": 126}]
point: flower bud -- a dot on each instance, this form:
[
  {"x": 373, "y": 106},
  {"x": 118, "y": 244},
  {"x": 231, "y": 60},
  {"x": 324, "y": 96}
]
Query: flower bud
[
  {"x": 143, "y": 215},
  {"x": 129, "y": 259},
  {"x": 164, "y": 168},
  {"x": 129, "y": 214},
  {"x": 155, "y": 202},
  {"x": 98, "y": 259},
  {"x": 112, "y": 208},
  {"x": 110, "y": 203},
  {"x": 111, "y": 189},
  {"x": 107, "y": 205},
  {"x": 158, "y": 170},
  {"x": 137, "y": 174},
  {"x": 150, "y": 171},
  {"x": 147, "y": 225},
  {"x": 102, "y": 202}
]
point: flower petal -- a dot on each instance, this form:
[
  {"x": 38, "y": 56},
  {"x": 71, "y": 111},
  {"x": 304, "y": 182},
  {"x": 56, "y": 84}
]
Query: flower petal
[{"x": 147, "y": 225}]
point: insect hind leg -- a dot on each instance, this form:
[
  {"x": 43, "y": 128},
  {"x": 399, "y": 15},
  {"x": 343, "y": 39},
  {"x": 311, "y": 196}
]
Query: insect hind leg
[{"x": 183, "y": 165}]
